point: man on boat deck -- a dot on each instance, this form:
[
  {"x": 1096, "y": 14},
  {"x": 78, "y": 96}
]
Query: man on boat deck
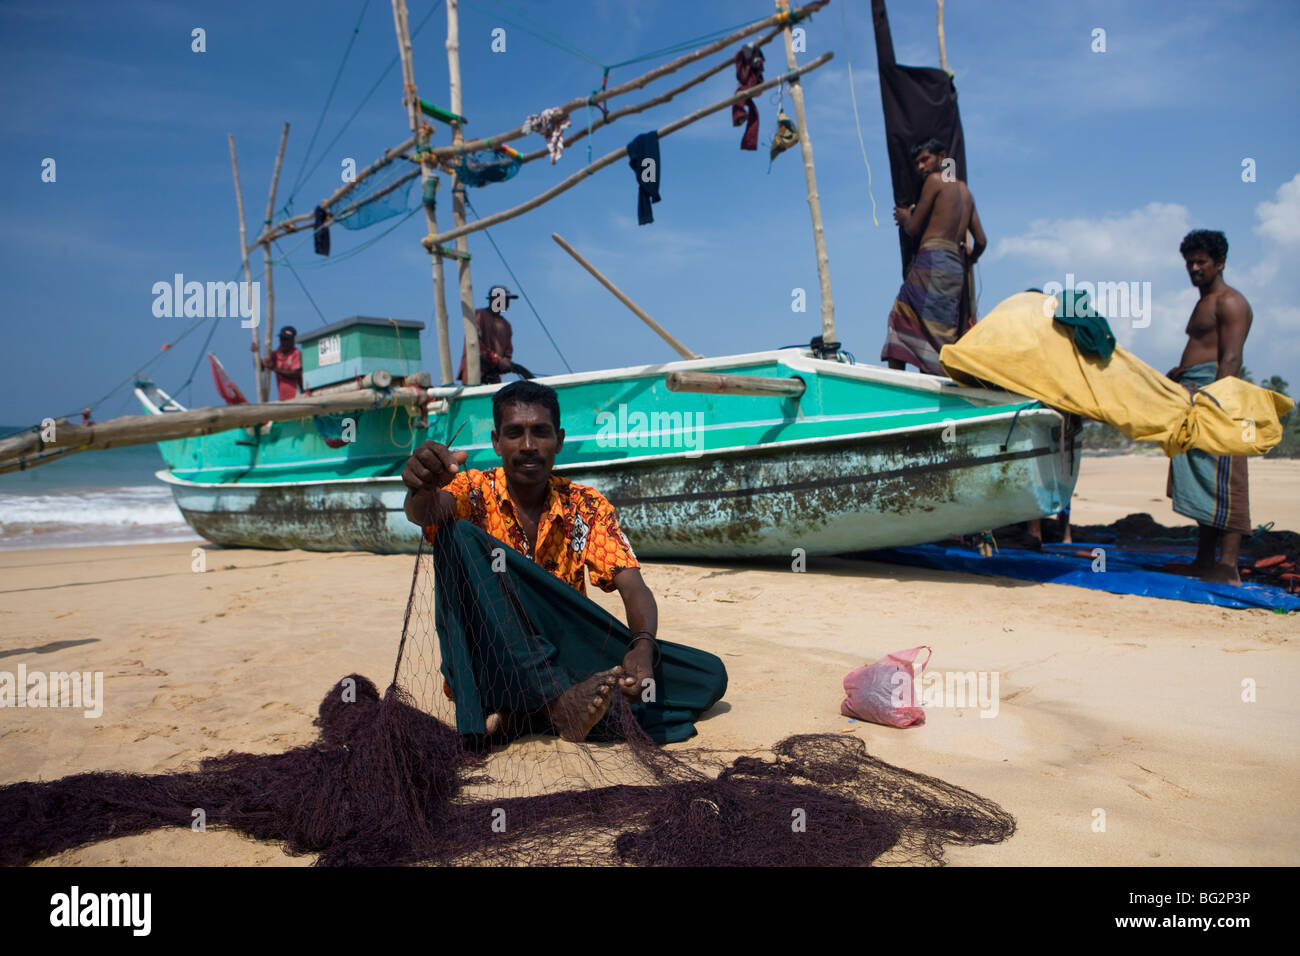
[
  {"x": 495, "y": 346},
  {"x": 574, "y": 654},
  {"x": 1211, "y": 488},
  {"x": 925, "y": 316},
  {"x": 286, "y": 363}
]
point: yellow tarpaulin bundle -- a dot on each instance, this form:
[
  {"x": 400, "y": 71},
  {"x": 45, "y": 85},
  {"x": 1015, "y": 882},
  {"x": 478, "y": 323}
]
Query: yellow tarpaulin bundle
[{"x": 1020, "y": 348}]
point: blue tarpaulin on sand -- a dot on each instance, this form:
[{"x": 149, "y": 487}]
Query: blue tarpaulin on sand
[{"x": 1127, "y": 572}]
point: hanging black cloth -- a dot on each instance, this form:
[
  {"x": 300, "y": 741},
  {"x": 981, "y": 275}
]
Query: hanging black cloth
[
  {"x": 645, "y": 146},
  {"x": 322, "y": 232},
  {"x": 919, "y": 102}
]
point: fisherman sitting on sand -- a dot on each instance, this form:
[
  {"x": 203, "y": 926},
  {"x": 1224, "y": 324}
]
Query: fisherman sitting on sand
[{"x": 566, "y": 529}]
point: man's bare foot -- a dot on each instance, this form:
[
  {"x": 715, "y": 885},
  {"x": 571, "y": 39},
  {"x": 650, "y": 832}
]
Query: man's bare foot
[
  {"x": 580, "y": 707},
  {"x": 1221, "y": 574}
]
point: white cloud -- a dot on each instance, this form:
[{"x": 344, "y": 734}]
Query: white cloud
[
  {"x": 1280, "y": 220},
  {"x": 1111, "y": 248}
]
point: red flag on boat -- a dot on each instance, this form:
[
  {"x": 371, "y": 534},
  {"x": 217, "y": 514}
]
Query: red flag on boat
[{"x": 225, "y": 384}]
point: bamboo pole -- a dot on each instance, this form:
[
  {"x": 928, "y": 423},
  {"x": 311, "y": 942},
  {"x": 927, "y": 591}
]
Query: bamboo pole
[
  {"x": 647, "y": 104},
  {"x": 306, "y": 220},
  {"x": 412, "y": 102},
  {"x": 616, "y": 155},
  {"x": 640, "y": 313},
  {"x": 255, "y": 305},
  {"x": 446, "y": 152},
  {"x": 25, "y": 450},
  {"x": 264, "y": 384},
  {"x": 473, "y": 374},
  {"x": 719, "y": 383},
  {"x": 943, "y": 50},
  {"x": 810, "y": 177}
]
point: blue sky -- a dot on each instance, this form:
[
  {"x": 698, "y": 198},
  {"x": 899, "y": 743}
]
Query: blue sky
[{"x": 1088, "y": 163}]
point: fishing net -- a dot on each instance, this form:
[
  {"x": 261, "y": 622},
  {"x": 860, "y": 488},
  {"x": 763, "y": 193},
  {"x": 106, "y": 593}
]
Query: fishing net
[
  {"x": 380, "y": 196},
  {"x": 488, "y": 166},
  {"x": 417, "y": 777}
]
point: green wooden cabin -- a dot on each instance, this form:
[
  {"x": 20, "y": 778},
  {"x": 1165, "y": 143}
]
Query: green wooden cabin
[{"x": 342, "y": 351}]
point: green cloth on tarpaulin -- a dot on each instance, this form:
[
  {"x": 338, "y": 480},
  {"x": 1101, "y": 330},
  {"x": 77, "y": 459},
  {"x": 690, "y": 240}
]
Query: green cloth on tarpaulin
[
  {"x": 1092, "y": 335},
  {"x": 512, "y": 640}
]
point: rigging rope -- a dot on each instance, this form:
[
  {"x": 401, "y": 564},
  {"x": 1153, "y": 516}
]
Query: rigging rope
[
  {"x": 285, "y": 210},
  {"x": 546, "y": 36},
  {"x": 301, "y": 285},
  {"x": 856, "y": 119},
  {"x": 338, "y": 75}
]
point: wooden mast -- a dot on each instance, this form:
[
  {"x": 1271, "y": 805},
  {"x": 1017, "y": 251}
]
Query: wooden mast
[
  {"x": 264, "y": 383},
  {"x": 472, "y": 376},
  {"x": 411, "y": 101},
  {"x": 810, "y": 177},
  {"x": 943, "y": 51},
  {"x": 254, "y": 304}
]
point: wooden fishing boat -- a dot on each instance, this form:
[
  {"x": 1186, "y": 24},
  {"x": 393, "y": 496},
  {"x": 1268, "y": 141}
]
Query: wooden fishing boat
[{"x": 864, "y": 457}]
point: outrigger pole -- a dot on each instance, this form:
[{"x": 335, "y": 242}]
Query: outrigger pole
[{"x": 27, "y": 449}]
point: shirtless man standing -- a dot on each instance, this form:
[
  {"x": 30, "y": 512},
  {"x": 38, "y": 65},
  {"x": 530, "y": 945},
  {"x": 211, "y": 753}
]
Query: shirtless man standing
[
  {"x": 1212, "y": 489},
  {"x": 925, "y": 316}
]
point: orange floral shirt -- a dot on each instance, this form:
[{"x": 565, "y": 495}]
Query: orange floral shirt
[{"x": 578, "y": 528}]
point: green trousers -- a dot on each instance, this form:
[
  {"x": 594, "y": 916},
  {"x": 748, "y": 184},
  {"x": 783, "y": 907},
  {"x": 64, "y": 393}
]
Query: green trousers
[{"x": 515, "y": 638}]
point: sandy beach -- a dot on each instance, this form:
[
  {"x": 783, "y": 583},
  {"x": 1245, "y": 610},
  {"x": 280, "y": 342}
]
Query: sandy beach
[{"x": 1126, "y": 705}]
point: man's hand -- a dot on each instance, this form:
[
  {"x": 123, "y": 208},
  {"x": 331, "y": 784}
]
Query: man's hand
[
  {"x": 638, "y": 664},
  {"x": 902, "y": 213},
  {"x": 431, "y": 467},
  {"x": 1175, "y": 373},
  {"x": 504, "y": 364}
]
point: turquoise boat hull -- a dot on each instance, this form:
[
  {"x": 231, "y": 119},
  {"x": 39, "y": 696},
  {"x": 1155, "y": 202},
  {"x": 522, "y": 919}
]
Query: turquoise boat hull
[{"x": 865, "y": 458}]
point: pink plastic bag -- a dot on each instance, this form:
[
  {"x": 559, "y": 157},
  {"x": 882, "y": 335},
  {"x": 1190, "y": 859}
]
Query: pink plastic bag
[{"x": 885, "y": 692}]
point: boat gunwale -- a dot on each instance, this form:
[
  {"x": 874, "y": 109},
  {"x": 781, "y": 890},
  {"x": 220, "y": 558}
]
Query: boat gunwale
[{"x": 799, "y": 358}]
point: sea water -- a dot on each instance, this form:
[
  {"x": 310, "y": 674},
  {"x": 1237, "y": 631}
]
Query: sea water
[{"x": 94, "y": 498}]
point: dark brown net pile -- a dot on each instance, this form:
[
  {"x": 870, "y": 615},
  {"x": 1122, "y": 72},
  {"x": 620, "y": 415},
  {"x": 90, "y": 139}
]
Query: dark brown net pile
[{"x": 415, "y": 777}]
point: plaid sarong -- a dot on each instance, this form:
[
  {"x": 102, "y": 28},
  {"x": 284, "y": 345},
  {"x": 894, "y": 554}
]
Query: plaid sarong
[
  {"x": 1211, "y": 489},
  {"x": 925, "y": 315}
]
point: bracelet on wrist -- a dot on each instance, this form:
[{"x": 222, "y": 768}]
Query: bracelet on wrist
[{"x": 647, "y": 636}]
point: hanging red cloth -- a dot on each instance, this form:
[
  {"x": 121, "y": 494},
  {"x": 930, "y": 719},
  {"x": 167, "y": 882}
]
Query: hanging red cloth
[
  {"x": 226, "y": 386},
  {"x": 749, "y": 72}
]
